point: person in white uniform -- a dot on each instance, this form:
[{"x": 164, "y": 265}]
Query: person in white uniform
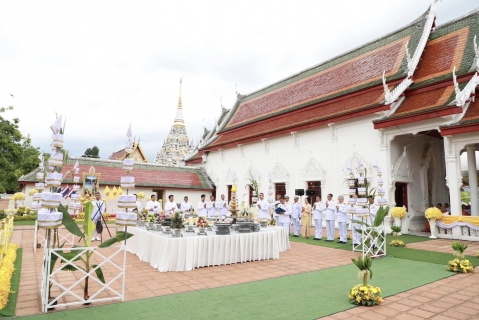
[
  {"x": 211, "y": 207},
  {"x": 330, "y": 217},
  {"x": 202, "y": 212},
  {"x": 296, "y": 215},
  {"x": 342, "y": 209},
  {"x": 276, "y": 204},
  {"x": 263, "y": 207},
  {"x": 318, "y": 208},
  {"x": 356, "y": 226},
  {"x": 222, "y": 205},
  {"x": 153, "y": 206},
  {"x": 98, "y": 210},
  {"x": 138, "y": 206},
  {"x": 283, "y": 218},
  {"x": 185, "y": 205},
  {"x": 171, "y": 206}
]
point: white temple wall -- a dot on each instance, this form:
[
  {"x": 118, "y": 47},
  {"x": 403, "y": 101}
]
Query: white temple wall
[{"x": 317, "y": 154}]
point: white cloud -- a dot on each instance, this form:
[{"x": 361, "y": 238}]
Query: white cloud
[{"x": 105, "y": 64}]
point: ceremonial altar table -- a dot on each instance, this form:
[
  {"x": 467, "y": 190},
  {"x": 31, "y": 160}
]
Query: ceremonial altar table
[{"x": 167, "y": 253}]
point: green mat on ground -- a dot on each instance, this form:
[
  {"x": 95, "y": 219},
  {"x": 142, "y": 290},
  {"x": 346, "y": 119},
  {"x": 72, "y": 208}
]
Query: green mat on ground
[
  {"x": 398, "y": 252},
  {"x": 303, "y": 296},
  {"x": 9, "y": 310}
]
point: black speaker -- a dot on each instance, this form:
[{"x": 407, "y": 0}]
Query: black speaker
[
  {"x": 299, "y": 192},
  {"x": 310, "y": 192}
]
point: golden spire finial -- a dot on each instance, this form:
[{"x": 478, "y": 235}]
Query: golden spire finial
[{"x": 179, "y": 99}]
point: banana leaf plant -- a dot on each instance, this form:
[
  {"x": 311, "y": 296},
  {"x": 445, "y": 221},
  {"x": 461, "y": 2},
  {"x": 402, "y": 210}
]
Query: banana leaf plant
[
  {"x": 380, "y": 215},
  {"x": 364, "y": 266},
  {"x": 84, "y": 261}
]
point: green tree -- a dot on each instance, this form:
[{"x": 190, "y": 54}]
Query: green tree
[
  {"x": 17, "y": 155},
  {"x": 92, "y": 153}
]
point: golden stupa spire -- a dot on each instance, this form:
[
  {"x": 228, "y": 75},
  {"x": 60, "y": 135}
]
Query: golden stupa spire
[{"x": 179, "y": 111}]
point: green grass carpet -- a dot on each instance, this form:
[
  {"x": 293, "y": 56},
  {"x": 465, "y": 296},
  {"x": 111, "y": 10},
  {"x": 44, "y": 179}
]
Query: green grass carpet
[
  {"x": 24, "y": 223},
  {"x": 303, "y": 296},
  {"x": 403, "y": 253},
  {"x": 9, "y": 310}
]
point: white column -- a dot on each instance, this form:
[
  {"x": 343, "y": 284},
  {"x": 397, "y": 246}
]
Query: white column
[
  {"x": 471, "y": 167},
  {"x": 453, "y": 180},
  {"x": 384, "y": 163}
]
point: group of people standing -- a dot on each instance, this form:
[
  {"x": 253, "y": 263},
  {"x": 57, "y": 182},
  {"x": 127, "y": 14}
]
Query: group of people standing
[{"x": 334, "y": 211}]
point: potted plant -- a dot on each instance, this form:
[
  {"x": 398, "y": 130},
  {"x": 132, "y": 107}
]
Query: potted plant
[
  {"x": 177, "y": 224},
  {"x": 432, "y": 214},
  {"x": 459, "y": 264},
  {"x": 364, "y": 294},
  {"x": 396, "y": 232}
]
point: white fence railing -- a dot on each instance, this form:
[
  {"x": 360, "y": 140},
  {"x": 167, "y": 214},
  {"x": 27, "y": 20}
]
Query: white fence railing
[
  {"x": 69, "y": 291},
  {"x": 63, "y": 237}
]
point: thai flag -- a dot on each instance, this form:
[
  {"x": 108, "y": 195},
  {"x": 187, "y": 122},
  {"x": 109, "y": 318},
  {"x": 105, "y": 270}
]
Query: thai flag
[
  {"x": 68, "y": 195},
  {"x": 65, "y": 191}
]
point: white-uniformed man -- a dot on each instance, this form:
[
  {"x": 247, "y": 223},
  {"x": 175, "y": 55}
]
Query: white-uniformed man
[
  {"x": 222, "y": 205},
  {"x": 330, "y": 217},
  {"x": 170, "y": 206},
  {"x": 318, "y": 208},
  {"x": 98, "y": 210},
  {"x": 355, "y": 227},
  {"x": 283, "y": 218},
  {"x": 185, "y": 205},
  {"x": 211, "y": 207},
  {"x": 202, "y": 212},
  {"x": 342, "y": 209},
  {"x": 263, "y": 207},
  {"x": 296, "y": 215},
  {"x": 373, "y": 208},
  {"x": 276, "y": 204},
  {"x": 153, "y": 206}
]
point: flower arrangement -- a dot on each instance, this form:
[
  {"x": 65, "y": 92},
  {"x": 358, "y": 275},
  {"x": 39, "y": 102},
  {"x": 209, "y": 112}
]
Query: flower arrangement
[
  {"x": 143, "y": 214},
  {"x": 32, "y": 192},
  {"x": 106, "y": 216},
  {"x": 398, "y": 212},
  {"x": 150, "y": 217},
  {"x": 433, "y": 213},
  {"x": 140, "y": 195},
  {"x": 271, "y": 222},
  {"x": 460, "y": 266},
  {"x": 364, "y": 294},
  {"x": 397, "y": 243},
  {"x": 19, "y": 196},
  {"x": 177, "y": 221},
  {"x": 202, "y": 222},
  {"x": 80, "y": 217},
  {"x": 6, "y": 272}
]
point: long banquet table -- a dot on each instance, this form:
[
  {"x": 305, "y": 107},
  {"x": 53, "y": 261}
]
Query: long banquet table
[{"x": 166, "y": 253}]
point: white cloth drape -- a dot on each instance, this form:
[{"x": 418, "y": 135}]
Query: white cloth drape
[
  {"x": 456, "y": 224},
  {"x": 186, "y": 253}
]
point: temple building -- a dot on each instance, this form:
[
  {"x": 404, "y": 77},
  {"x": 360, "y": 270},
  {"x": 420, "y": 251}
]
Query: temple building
[
  {"x": 138, "y": 155},
  {"x": 177, "y": 146},
  {"x": 405, "y": 100}
]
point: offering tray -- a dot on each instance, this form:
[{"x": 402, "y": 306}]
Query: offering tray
[
  {"x": 223, "y": 228},
  {"x": 245, "y": 227},
  {"x": 190, "y": 228},
  {"x": 255, "y": 227}
]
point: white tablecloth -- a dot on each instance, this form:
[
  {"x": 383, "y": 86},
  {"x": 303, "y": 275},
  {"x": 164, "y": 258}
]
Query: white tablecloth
[{"x": 189, "y": 252}]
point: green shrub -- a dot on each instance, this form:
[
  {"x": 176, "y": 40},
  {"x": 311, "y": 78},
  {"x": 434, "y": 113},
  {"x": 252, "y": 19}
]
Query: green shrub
[{"x": 23, "y": 218}]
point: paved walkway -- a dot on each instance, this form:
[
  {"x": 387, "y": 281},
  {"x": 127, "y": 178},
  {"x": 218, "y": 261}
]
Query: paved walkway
[
  {"x": 444, "y": 245},
  {"x": 456, "y": 297}
]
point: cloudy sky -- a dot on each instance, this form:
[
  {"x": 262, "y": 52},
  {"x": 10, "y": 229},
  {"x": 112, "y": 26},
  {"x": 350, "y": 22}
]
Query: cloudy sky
[{"x": 106, "y": 64}]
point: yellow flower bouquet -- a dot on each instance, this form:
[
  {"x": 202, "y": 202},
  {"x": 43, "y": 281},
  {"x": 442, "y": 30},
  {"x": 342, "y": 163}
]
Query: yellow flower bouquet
[
  {"x": 19, "y": 196},
  {"x": 32, "y": 192},
  {"x": 460, "y": 266},
  {"x": 433, "y": 213},
  {"x": 140, "y": 195},
  {"x": 398, "y": 212},
  {"x": 397, "y": 243},
  {"x": 365, "y": 295}
]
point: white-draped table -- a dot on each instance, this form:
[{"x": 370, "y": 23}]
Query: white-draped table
[{"x": 166, "y": 253}]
